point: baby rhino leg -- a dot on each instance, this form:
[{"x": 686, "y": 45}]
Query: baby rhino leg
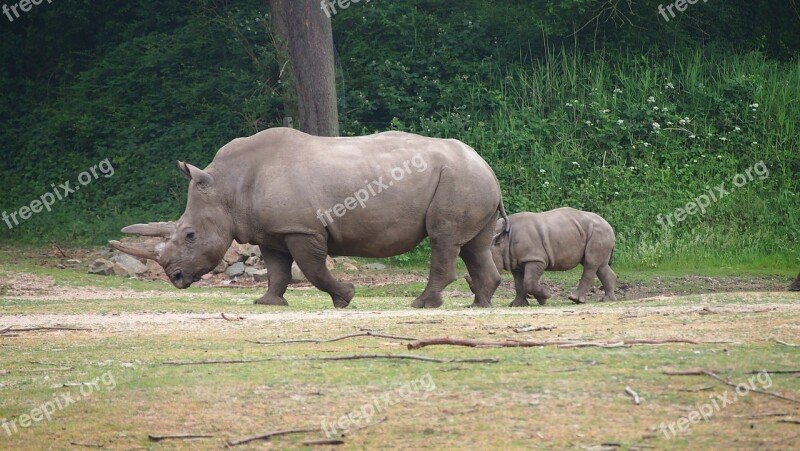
[{"x": 533, "y": 273}]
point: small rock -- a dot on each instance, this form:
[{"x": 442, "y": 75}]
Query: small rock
[
  {"x": 374, "y": 266},
  {"x": 60, "y": 266},
  {"x": 236, "y": 269},
  {"x": 349, "y": 267},
  {"x": 248, "y": 271},
  {"x": 119, "y": 270},
  {"x": 231, "y": 256},
  {"x": 260, "y": 275},
  {"x": 252, "y": 261},
  {"x": 131, "y": 264},
  {"x": 101, "y": 267},
  {"x": 73, "y": 262},
  {"x": 255, "y": 251},
  {"x": 221, "y": 267}
]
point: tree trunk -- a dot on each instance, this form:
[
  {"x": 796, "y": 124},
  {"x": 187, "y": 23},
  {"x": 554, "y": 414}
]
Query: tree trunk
[
  {"x": 303, "y": 32},
  {"x": 795, "y": 286}
]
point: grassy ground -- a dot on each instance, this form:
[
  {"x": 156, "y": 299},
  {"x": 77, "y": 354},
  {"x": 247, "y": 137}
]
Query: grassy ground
[{"x": 539, "y": 397}]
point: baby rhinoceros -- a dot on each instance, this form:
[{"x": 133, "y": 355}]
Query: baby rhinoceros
[{"x": 555, "y": 240}]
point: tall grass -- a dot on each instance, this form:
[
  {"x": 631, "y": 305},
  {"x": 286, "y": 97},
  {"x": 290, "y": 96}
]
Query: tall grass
[{"x": 632, "y": 137}]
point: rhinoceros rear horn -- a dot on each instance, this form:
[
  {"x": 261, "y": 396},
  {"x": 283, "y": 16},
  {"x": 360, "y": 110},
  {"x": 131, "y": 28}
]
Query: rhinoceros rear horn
[
  {"x": 144, "y": 250},
  {"x": 162, "y": 229}
]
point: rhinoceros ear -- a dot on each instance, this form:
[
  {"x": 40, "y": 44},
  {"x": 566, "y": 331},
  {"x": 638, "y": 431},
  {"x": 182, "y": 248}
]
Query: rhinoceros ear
[{"x": 199, "y": 176}]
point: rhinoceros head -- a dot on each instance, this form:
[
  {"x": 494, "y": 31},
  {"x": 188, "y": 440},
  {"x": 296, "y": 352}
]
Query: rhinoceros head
[{"x": 194, "y": 244}]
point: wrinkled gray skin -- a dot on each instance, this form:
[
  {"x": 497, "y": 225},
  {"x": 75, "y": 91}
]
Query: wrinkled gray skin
[
  {"x": 268, "y": 189},
  {"x": 556, "y": 240}
]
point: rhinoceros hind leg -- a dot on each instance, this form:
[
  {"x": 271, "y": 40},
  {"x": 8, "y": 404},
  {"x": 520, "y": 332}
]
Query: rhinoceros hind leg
[
  {"x": 279, "y": 274},
  {"x": 310, "y": 254},
  {"x": 442, "y": 273},
  {"x": 533, "y": 275},
  {"x": 609, "y": 280},
  {"x": 587, "y": 278},
  {"x": 521, "y": 297},
  {"x": 478, "y": 258}
]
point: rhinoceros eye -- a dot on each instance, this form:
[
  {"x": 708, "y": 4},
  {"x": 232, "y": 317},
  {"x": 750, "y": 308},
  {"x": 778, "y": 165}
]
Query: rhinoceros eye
[{"x": 190, "y": 236}]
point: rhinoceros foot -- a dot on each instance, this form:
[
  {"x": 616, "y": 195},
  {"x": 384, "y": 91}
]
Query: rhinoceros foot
[
  {"x": 576, "y": 299},
  {"x": 427, "y": 301},
  {"x": 343, "y": 298},
  {"x": 519, "y": 302},
  {"x": 268, "y": 299}
]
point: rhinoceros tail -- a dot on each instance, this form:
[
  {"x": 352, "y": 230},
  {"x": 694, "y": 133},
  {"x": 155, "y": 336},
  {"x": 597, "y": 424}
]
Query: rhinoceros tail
[
  {"x": 502, "y": 209},
  {"x": 611, "y": 257}
]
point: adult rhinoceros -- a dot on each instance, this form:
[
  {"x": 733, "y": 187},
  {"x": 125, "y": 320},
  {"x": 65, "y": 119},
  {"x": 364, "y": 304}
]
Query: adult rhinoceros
[{"x": 300, "y": 197}]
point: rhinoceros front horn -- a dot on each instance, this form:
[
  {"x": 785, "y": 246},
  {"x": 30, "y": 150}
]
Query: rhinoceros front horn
[{"x": 146, "y": 250}]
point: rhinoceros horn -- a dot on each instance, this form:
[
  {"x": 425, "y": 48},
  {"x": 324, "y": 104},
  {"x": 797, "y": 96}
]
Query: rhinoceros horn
[
  {"x": 145, "y": 250},
  {"x": 162, "y": 229}
]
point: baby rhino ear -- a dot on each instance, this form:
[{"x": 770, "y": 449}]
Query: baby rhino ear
[{"x": 199, "y": 176}]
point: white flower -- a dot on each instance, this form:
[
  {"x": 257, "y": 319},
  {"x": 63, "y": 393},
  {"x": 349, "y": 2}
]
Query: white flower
[
  {"x": 646, "y": 165},
  {"x": 589, "y": 123},
  {"x": 575, "y": 163},
  {"x": 632, "y": 168},
  {"x": 568, "y": 105},
  {"x": 669, "y": 123},
  {"x": 655, "y": 108},
  {"x": 656, "y": 126},
  {"x": 722, "y": 138},
  {"x": 670, "y": 86},
  {"x": 737, "y": 129},
  {"x": 620, "y": 122},
  {"x": 719, "y": 157},
  {"x": 754, "y": 143},
  {"x": 665, "y": 109},
  {"x": 605, "y": 111},
  {"x": 617, "y": 91},
  {"x": 651, "y": 99},
  {"x": 692, "y": 136},
  {"x": 542, "y": 171},
  {"x": 755, "y": 105},
  {"x": 616, "y": 193},
  {"x": 646, "y": 144}
]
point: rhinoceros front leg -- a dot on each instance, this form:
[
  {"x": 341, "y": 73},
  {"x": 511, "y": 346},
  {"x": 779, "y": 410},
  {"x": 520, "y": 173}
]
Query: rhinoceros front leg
[
  {"x": 279, "y": 274},
  {"x": 521, "y": 297},
  {"x": 310, "y": 253},
  {"x": 533, "y": 274}
]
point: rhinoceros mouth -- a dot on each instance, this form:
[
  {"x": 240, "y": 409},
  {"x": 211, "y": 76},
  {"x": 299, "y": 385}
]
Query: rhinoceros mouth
[{"x": 182, "y": 280}]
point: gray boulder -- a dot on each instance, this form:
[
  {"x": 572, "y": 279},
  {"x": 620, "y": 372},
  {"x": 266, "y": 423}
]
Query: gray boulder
[
  {"x": 236, "y": 269},
  {"x": 101, "y": 267},
  {"x": 131, "y": 264}
]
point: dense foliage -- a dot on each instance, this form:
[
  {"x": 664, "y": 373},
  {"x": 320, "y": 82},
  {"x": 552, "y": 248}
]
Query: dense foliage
[{"x": 596, "y": 104}]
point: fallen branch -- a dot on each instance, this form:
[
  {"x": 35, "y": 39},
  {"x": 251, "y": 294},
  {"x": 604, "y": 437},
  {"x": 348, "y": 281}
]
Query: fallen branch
[
  {"x": 513, "y": 343},
  {"x": 427, "y": 321},
  {"x": 332, "y": 358},
  {"x": 776, "y": 372},
  {"x": 701, "y": 372},
  {"x": 331, "y": 340},
  {"x": 235, "y": 318},
  {"x": 158, "y": 438},
  {"x": 42, "y": 328},
  {"x": 532, "y": 328},
  {"x": 791, "y": 345},
  {"x": 269, "y": 435},
  {"x": 633, "y": 394},
  {"x": 325, "y": 441},
  {"x": 87, "y": 445},
  {"x": 761, "y": 415},
  {"x": 789, "y": 420},
  {"x": 42, "y": 370}
]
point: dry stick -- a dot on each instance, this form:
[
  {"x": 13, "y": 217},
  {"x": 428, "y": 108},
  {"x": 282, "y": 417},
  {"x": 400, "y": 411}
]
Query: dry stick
[
  {"x": 701, "y": 372},
  {"x": 776, "y": 372},
  {"x": 235, "y": 318},
  {"x": 512, "y": 343},
  {"x": 158, "y": 438},
  {"x": 791, "y": 345},
  {"x": 633, "y": 394},
  {"x": 332, "y": 358},
  {"x": 269, "y": 435},
  {"x": 86, "y": 445},
  {"x": 314, "y": 340},
  {"x": 532, "y": 328},
  {"x": 31, "y": 329},
  {"x": 761, "y": 415},
  {"x": 789, "y": 420},
  {"x": 325, "y": 441},
  {"x": 429, "y": 321}
]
